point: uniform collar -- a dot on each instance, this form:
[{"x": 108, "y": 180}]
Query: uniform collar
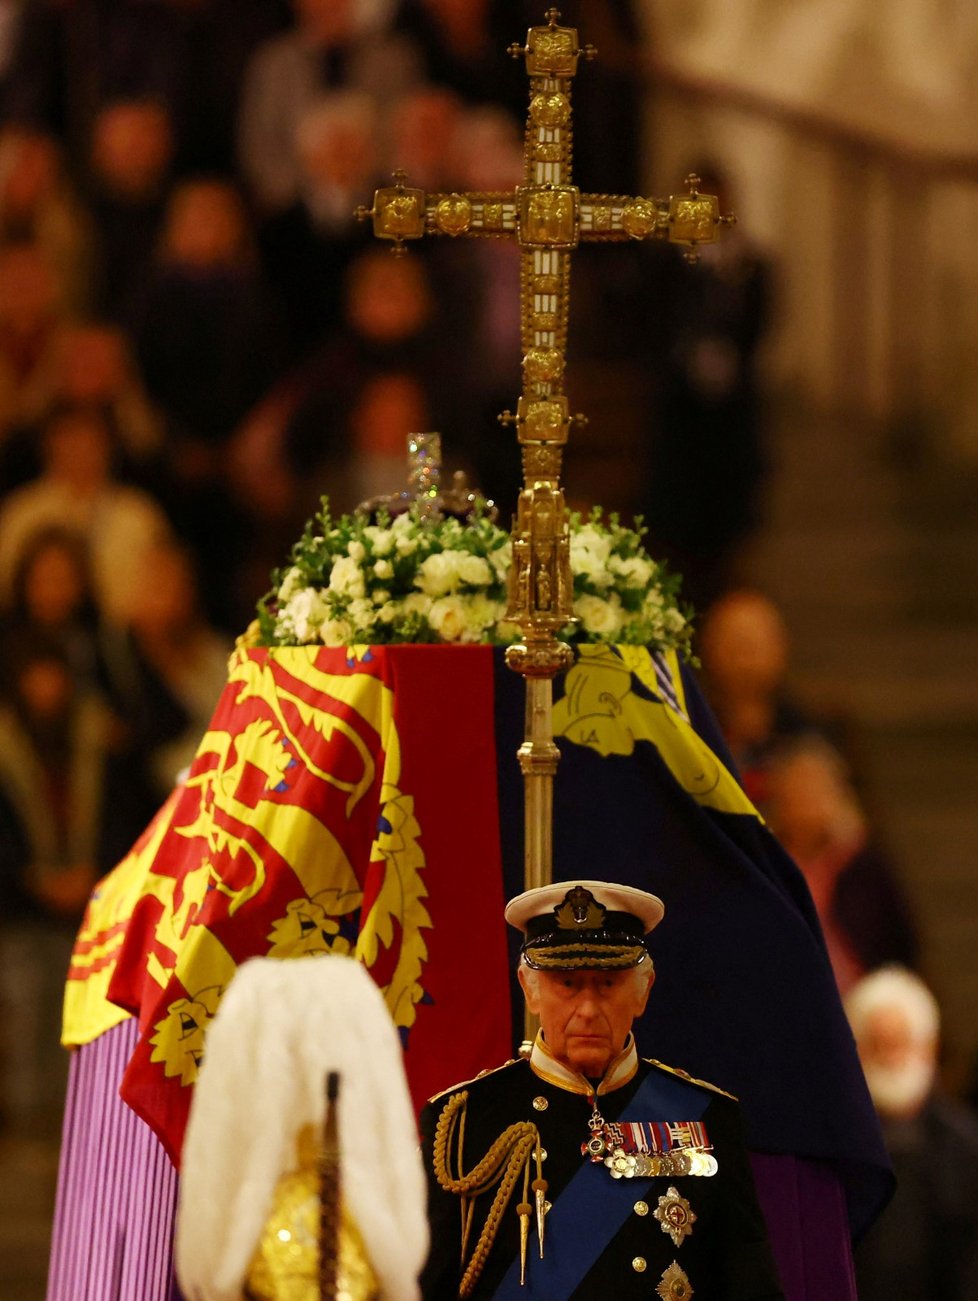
[{"x": 620, "y": 1070}]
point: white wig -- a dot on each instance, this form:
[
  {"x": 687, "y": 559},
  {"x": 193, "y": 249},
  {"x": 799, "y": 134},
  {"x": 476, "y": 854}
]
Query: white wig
[
  {"x": 280, "y": 1028},
  {"x": 895, "y": 987}
]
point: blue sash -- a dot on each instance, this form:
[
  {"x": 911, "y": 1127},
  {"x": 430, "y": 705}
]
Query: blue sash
[{"x": 588, "y": 1214}]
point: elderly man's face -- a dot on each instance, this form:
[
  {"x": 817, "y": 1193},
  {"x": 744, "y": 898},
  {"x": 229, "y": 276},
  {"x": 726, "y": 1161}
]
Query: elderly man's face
[{"x": 586, "y": 1015}]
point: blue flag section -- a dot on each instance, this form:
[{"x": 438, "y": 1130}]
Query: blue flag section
[{"x": 647, "y": 795}]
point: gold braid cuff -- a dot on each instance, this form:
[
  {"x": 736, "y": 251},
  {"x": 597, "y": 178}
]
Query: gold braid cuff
[{"x": 510, "y": 1154}]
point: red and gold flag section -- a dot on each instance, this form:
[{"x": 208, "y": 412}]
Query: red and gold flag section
[{"x": 340, "y": 802}]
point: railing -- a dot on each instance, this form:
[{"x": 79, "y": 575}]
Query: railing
[{"x": 876, "y": 242}]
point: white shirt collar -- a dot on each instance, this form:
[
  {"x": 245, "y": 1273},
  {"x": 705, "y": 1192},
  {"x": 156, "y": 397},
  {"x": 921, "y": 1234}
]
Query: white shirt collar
[{"x": 620, "y": 1070}]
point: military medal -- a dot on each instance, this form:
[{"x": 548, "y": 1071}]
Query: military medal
[
  {"x": 675, "y": 1215},
  {"x": 674, "y": 1285},
  {"x": 649, "y": 1149}
]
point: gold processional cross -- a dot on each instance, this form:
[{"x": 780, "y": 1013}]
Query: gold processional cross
[{"x": 548, "y": 217}]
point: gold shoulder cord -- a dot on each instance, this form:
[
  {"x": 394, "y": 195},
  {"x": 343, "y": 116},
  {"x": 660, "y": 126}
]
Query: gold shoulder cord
[{"x": 515, "y": 1150}]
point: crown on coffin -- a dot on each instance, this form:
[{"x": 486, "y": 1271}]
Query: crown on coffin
[{"x": 424, "y": 491}]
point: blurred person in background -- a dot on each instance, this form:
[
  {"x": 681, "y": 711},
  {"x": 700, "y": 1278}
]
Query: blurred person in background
[
  {"x": 305, "y": 438},
  {"x": 131, "y": 159},
  {"x": 31, "y": 312},
  {"x": 744, "y": 647},
  {"x": 11, "y": 12},
  {"x": 815, "y": 813},
  {"x": 460, "y": 42},
  {"x": 172, "y": 668},
  {"x": 425, "y": 137},
  {"x": 89, "y": 364},
  {"x": 52, "y": 597},
  {"x": 707, "y": 459},
  {"x": 70, "y": 60},
  {"x": 38, "y": 204},
  {"x": 334, "y": 45},
  {"x": 208, "y": 337},
  {"x": 484, "y": 276},
  {"x": 66, "y": 816},
  {"x": 94, "y": 366},
  {"x": 924, "y": 1247},
  {"x": 77, "y": 489},
  {"x": 307, "y": 247}
]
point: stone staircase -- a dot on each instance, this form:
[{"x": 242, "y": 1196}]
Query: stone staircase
[{"x": 873, "y": 556}]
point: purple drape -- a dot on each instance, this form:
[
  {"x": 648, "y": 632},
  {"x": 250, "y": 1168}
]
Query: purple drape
[
  {"x": 117, "y": 1191},
  {"x": 805, "y": 1208}
]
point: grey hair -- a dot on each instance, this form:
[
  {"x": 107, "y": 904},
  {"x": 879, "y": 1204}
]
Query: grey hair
[{"x": 895, "y": 987}]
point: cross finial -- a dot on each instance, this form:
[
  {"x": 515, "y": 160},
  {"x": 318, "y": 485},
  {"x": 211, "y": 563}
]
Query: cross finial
[{"x": 552, "y": 16}]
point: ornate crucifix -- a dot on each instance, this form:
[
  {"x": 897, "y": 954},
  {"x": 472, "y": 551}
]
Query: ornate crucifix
[{"x": 548, "y": 217}]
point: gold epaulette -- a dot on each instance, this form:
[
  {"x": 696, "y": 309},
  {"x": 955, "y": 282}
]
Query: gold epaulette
[
  {"x": 685, "y": 1075},
  {"x": 463, "y": 1084}
]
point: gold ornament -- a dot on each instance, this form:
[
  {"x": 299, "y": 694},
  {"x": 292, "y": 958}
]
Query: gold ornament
[
  {"x": 675, "y": 1215},
  {"x": 543, "y": 364},
  {"x": 285, "y": 1266},
  {"x": 639, "y": 218},
  {"x": 453, "y": 215},
  {"x": 674, "y": 1285},
  {"x": 550, "y": 110}
]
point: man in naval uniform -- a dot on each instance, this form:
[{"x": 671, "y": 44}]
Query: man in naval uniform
[{"x": 582, "y": 1170}]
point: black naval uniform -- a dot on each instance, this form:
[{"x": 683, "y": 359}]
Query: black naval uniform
[{"x": 725, "y": 1257}]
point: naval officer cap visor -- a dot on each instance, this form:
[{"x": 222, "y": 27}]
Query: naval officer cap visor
[{"x": 587, "y": 925}]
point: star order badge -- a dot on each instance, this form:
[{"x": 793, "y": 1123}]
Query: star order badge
[
  {"x": 674, "y": 1285},
  {"x": 675, "y": 1215}
]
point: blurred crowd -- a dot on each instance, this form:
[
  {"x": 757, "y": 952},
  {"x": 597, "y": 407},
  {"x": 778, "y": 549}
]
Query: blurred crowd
[{"x": 197, "y": 341}]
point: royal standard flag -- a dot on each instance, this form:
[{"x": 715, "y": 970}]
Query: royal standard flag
[{"x": 370, "y": 802}]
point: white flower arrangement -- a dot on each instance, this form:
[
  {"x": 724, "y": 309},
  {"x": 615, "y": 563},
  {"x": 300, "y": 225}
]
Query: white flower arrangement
[{"x": 352, "y": 581}]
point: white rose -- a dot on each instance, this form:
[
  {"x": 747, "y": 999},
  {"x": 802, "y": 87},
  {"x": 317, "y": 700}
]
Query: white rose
[
  {"x": 381, "y": 596},
  {"x": 306, "y": 613},
  {"x": 501, "y": 559},
  {"x": 600, "y": 617},
  {"x": 290, "y": 584},
  {"x": 634, "y": 570},
  {"x": 589, "y": 553},
  {"x": 447, "y": 617},
  {"x": 346, "y": 577},
  {"x": 592, "y": 540},
  {"x": 674, "y": 621},
  {"x": 390, "y": 612},
  {"x": 405, "y": 544},
  {"x": 416, "y": 603},
  {"x": 383, "y": 569},
  {"x": 480, "y": 614},
  {"x": 362, "y": 613},
  {"x": 336, "y": 632},
  {"x": 473, "y": 570},
  {"x": 356, "y": 550},
  {"x": 438, "y": 574},
  {"x": 381, "y": 540}
]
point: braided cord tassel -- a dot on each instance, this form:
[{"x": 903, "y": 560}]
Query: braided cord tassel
[{"x": 509, "y": 1155}]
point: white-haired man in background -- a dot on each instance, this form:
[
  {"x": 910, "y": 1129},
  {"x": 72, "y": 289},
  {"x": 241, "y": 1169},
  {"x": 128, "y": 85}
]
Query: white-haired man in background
[{"x": 925, "y": 1245}]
